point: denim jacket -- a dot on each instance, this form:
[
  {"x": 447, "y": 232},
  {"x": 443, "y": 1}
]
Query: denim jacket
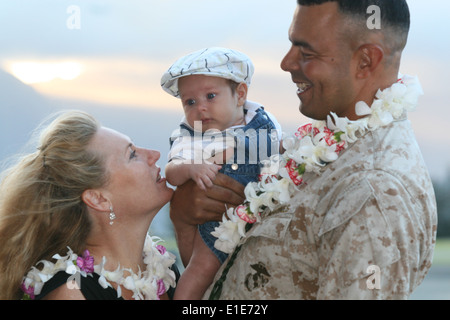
[{"x": 254, "y": 142}]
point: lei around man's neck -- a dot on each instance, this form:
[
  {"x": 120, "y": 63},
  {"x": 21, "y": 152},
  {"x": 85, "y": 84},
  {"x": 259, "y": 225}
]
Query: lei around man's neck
[{"x": 310, "y": 149}]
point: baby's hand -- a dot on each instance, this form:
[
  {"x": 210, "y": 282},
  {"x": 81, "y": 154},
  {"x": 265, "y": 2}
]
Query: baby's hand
[{"x": 204, "y": 174}]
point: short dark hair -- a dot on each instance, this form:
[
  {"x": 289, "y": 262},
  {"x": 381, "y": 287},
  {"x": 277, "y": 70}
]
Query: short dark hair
[{"x": 395, "y": 14}]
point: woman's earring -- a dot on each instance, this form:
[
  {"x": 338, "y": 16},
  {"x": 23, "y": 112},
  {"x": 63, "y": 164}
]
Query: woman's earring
[{"x": 112, "y": 216}]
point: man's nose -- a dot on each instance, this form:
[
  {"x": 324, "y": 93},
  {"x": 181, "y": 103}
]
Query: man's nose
[{"x": 291, "y": 62}]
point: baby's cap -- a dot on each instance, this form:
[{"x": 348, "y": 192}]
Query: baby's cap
[{"x": 217, "y": 62}]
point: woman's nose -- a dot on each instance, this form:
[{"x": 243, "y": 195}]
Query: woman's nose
[{"x": 153, "y": 156}]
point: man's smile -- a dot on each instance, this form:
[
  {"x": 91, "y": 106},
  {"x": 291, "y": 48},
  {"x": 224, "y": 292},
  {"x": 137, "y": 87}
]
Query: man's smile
[{"x": 303, "y": 87}]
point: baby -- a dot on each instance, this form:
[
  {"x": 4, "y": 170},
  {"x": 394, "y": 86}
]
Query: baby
[{"x": 220, "y": 132}]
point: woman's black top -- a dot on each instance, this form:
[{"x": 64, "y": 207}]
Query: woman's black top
[{"x": 89, "y": 286}]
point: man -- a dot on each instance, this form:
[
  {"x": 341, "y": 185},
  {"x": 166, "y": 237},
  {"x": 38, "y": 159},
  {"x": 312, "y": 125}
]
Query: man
[{"x": 364, "y": 227}]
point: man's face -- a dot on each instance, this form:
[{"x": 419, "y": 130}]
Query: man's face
[{"x": 320, "y": 62}]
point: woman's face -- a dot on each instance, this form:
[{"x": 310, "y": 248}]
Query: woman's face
[{"x": 135, "y": 185}]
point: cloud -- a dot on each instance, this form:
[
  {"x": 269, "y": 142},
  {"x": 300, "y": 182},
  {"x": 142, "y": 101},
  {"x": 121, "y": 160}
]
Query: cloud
[
  {"x": 112, "y": 81},
  {"x": 36, "y": 72}
]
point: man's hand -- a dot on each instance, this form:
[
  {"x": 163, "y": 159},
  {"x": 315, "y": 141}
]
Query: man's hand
[
  {"x": 194, "y": 206},
  {"x": 191, "y": 206}
]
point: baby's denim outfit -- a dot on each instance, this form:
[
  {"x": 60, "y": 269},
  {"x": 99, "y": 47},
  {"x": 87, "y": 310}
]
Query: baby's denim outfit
[{"x": 245, "y": 166}]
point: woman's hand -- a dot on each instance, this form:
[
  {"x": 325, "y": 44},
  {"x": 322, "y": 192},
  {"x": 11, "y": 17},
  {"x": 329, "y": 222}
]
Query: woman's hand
[{"x": 194, "y": 206}]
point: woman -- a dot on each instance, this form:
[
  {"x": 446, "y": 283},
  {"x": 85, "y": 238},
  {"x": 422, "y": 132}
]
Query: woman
[{"x": 86, "y": 197}]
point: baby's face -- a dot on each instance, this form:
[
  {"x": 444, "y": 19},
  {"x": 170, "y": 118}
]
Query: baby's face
[{"x": 211, "y": 101}]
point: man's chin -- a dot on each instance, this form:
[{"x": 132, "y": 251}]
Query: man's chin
[
  {"x": 304, "y": 110},
  {"x": 309, "y": 112}
]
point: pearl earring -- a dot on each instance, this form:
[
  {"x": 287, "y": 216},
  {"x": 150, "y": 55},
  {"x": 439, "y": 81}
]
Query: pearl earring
[{"x": 112, "y": 216}]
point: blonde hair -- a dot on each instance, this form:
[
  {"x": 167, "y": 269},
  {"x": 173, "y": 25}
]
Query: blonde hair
[{"x": 41, "y": 210}]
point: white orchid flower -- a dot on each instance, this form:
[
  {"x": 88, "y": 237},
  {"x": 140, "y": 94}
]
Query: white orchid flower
[
  {"x": 362, "y": 109},
  {"x": 251, "y": 194},
  {"x": 229, "y": 232}
]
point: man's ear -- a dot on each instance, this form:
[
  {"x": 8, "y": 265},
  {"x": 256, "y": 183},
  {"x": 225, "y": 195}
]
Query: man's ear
[
  {"x": 95, "y": 199},
  {"x": 368, "y": 59},
  {"x": 241, "y": 92}
]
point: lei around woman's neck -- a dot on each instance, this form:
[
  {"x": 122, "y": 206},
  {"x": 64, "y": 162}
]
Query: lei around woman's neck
[{"x": 147, "y": 284}]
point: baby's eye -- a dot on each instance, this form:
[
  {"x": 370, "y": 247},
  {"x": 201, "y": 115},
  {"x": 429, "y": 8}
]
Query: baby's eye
[
  {"x": 133, "y": 154},
  {"x": 190, "y": 102},
  {"x": 211, "y": 96}
]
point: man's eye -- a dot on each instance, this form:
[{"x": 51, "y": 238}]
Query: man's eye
[
  {"x": 133, "y": 154},
  {"x": 211, "y": 96},
  {"x": 307, "y": 55}
]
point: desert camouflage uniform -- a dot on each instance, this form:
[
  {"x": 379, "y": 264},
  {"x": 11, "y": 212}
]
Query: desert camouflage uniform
[{"x": 363, "y": 229}]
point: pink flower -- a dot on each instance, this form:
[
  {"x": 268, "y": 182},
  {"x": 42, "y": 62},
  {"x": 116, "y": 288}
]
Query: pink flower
[
  {"x": 329, "y": 136},
  {"x": 305, "y": 130},
  {"x": 340, "y": 146},
  {"x": 161, "y": 249},
  {"x": 161, "y": 288},
  {"x": 268, "y": 178},
  {"x": 295, "y": 172},
  {"x": 86, "y": 262},
  {"x": 28, "y": 292},
  {"x": 332, "y": 138},
  {"x": 245, "y": 214}
]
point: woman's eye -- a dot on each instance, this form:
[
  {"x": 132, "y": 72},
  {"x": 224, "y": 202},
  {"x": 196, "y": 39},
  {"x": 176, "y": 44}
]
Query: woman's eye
[{"x": 211, "y": 96}]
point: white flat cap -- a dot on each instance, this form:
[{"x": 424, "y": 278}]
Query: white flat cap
[{"x": 216, "y": 62}]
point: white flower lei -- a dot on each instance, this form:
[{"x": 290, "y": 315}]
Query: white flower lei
[
  {"x": 310, "y": 149},
  {"x": 145, "y": 285}
]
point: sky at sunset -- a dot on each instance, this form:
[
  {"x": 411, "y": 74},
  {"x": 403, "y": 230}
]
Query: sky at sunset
[{"x": 113, "y": 52}]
